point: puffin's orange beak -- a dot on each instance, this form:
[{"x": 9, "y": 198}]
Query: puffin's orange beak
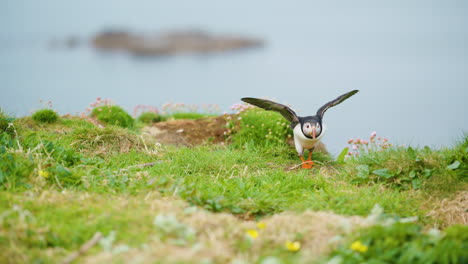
[{"x": 314, "y": 132}]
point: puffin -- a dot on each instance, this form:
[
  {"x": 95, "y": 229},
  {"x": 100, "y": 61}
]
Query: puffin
[{"x": 307, "y": 130}]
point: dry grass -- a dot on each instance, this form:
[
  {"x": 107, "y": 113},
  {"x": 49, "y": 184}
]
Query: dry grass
[
  {"x": 221, "y": 237},
  {"x": 101, "y": 141},
  {"x": 452, "y": 211}
]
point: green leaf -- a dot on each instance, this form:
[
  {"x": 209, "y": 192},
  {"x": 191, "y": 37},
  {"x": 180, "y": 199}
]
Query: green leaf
[
  {"x": 342, "y": 155},
  {"x": 427, "y": 173},
  {"x": 386, "y": 173},
  {"x": 411, "y": 152},
  {"x": 416, "y": 183},
  {"x": 412, "y": 174},
  {"x": 363, "y": 171},
  {"x": 454, "y": 165}
]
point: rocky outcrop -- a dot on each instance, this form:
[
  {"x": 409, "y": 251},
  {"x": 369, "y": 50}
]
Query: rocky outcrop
[{"x": 171, "y": 43}]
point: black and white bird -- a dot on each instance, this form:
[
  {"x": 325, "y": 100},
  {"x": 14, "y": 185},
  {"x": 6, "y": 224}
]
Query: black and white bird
[{"x": 308, "y": 130}]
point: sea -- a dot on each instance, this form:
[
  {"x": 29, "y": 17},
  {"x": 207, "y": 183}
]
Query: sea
[{"x": 407, "y": 58}]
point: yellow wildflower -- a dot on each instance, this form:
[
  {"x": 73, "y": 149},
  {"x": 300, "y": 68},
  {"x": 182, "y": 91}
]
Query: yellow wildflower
[
  {"x": 358, "y": 246},
  {"x": 261, "y": 225},
  {"x": 44, "y": 174},
  {"x": 292, "y": 246},
  {"x": 252, "y": 233}
]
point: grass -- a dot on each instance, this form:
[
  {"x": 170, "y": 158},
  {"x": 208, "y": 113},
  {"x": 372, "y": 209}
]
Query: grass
[
  {"x": 407, "y": 243},
  {"x": 61, "y": 183},
  {"x": 187, "y": 115},
  {"x": 45, "y": 116},
  {"x": 113, "y": 115}
]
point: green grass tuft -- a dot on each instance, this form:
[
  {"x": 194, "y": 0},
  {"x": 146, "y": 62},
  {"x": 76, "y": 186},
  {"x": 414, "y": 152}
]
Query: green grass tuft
[
  {"x": 188, "y": 115},
  {"x": 45, "y": 116},
  {"x": 259, "y": 127},
  {"x": 150, "y": 117},
  {"x": 113, "y": 115}
]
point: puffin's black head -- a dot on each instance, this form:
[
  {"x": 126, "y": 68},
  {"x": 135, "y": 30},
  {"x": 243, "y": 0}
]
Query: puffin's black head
[{"x": 311, "y": 126}]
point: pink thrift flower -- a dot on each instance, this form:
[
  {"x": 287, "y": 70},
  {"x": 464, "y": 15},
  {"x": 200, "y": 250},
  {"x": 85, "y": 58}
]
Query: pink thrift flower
[
  {"x": 350, "y": 141},
  {"x": 373, "y": 134}
]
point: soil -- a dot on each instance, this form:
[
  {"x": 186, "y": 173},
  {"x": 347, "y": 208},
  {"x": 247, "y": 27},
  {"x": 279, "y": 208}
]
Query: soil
[{"x": 190, "y": 132}]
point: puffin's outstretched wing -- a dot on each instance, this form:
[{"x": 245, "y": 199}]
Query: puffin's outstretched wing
[
  {"x": 285, "y": 111},
  {"x": 337, "y": 101}
]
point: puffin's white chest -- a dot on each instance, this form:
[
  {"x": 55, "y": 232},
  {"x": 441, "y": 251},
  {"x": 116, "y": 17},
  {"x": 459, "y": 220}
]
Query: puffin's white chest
[{"x": 302, "y": 142}]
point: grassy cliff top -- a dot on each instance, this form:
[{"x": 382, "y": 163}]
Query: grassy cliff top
[{"x": 236, "y": 197}]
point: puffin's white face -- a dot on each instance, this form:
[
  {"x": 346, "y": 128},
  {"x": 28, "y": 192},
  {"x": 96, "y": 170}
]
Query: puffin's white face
[{"x": 311, "y": 129}]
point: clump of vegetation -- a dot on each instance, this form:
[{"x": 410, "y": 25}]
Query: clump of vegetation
[
  {"x": 405, "y": 243},
  {"x": 457, "y": 158},
  {"x": 376, "y": 160},
  {"x": 45, "y": 116},
  {"x": 150, "y": 117},
  {"x": 189, "y": 111},
  {"x": 15, "y": 170},
  {"x": 259, "y": 127},
  {"x": 113, "y": 115},
  {"x": 106, "y": 141},
  {"x": 5, "y": 121},
  {"x": 188, "y": 115},
  {"x": 174, "y": 111}
]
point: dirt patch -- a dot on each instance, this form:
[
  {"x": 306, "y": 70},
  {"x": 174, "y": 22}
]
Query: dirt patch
[
  {"x": 190, "y": 132},
  {"x": 452, "y": 211}
]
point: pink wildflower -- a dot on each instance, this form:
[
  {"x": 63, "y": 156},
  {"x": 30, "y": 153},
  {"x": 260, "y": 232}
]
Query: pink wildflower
[{"x": 373, "y": 134}]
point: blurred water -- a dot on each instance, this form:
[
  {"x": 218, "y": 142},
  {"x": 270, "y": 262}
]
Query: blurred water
[{"x": 408, "y": 59}]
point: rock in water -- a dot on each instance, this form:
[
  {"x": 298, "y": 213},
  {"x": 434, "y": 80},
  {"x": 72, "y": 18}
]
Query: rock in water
[{"x": 171, "y": 43}]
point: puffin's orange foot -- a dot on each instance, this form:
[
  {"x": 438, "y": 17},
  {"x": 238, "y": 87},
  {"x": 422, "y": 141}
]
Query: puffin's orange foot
[{"x": 307, "y": 164}]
